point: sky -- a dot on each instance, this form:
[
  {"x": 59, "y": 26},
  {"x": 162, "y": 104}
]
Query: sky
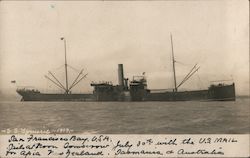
[{"x": 102, "y": 34}]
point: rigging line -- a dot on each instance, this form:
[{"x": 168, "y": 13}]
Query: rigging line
[
  {"x": 78, "y": 81},
  {"x": 54, "y": 82},
  {"x": 181, "y": 63},
  {"x": 189, "y": 76},
  {"x": 59, "y": 67},
  {"x": 184, "y": 64},
  {"x": 56, "y": 79},
  {"x": 73, "y": 68},
  {"x": 201, "y": 83},
  {"x": 189, "y": 72}
]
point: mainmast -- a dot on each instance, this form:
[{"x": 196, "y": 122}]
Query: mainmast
[
  {"x": 175, "y": 87},
  {"x": 66, "y": 67}
]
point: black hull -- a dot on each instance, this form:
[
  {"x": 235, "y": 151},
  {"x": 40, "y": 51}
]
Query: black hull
[
  {"x": 33, "y": 96},
  {"x": 214, "y": 93}
]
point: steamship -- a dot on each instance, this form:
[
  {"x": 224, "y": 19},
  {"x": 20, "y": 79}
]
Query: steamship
[{"x": 134, "y": 90}]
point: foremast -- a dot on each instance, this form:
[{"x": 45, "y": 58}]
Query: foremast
[
  {"x": 79, "y": 77},
  {"x": 66, "y": 66}
]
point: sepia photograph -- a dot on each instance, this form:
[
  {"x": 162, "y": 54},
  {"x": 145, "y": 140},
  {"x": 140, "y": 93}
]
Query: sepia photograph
[{"x": 124, "y": 67}]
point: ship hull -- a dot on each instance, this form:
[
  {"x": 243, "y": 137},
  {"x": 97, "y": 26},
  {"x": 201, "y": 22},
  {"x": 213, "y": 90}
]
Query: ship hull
[
  {"x": 214, "y": 93},
  {"x": 32, "y": 96}
]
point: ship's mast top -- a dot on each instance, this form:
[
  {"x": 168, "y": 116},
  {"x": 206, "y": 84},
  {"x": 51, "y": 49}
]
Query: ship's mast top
[
  {"x": 66, "y": 67},
  {"x": 175, "y": 87}
]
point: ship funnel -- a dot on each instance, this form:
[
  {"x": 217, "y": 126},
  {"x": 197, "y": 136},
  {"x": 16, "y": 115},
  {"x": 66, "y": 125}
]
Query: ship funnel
[{"x": 120, "y": 75}]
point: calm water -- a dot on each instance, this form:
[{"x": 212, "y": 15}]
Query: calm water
[{"x": 129, "y": 117}]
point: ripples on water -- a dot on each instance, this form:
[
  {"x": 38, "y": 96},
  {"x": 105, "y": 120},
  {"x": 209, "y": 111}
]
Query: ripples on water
[{"x": 129, "y": 117}]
